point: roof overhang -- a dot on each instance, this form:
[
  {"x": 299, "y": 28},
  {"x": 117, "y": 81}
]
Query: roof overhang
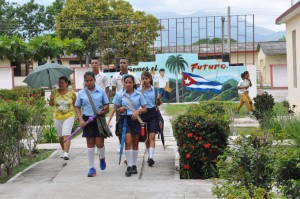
[{"x": 289, "y": 14}]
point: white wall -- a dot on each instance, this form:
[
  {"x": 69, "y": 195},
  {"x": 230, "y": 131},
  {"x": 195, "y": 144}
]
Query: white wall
[
  {"x": 252, "y": 73},
  {"x": 6, "y": 78},
  {"x": 293, "y": 92},
  {"x": 78, "y": 77}
]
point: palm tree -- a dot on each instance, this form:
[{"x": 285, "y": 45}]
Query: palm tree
[{"x": 176, "y": 64}]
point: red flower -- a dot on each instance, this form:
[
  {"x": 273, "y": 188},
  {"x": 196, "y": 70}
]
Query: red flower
[
  {"x": 188, "y": 156},
  {"x": 200, "y": 138},
  {"x": 190, "y": 135},
  {"x": 197, "y": 125},
  {"x": 186, "y": 167},
  {"x": 192, "y": 147},
  {"x": 202, "y": 158},
  {"x": 207, "y": 145}
]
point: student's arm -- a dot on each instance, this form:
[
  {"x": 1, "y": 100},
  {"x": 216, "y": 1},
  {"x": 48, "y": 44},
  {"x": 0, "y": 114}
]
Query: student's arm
[
  {"x": 250, "y": 83},
  {"x": 112, "y": 114},
  {"x": 107, "y": 92},
  {"x": 139, "y": 111},
  {"x": 78, "y": 112},
  {"x": 113, "y": 89}
]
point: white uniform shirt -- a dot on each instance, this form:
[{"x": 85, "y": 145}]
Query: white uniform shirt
[
  {"x": 247, "y": 83},
  {"x": 116, "y": 80},
  {"x": 102, "y": 80},
  {"x": 242, "y": 83},
  {"x": 162, "y": 81}
]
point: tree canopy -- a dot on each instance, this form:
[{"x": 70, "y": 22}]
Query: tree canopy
[
  {"x": 28, "y": 20},
  {"x": 215, "y": 40},
  {"x": 38, "y": 49},
  {"x": 108, "y": 27}
]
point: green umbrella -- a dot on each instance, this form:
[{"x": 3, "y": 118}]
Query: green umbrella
[{"x": 47, "y": 75}]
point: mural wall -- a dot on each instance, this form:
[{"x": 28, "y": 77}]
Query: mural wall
[{"x": 197, "y": 79}]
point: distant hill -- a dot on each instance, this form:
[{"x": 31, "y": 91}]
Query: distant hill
[{"x": 260, "y": 33}]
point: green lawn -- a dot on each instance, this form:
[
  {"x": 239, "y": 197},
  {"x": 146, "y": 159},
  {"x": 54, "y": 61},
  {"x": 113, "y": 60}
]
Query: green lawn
[
  {"x": 245, "y": 130},
  {"x": 176, "y": 109}
]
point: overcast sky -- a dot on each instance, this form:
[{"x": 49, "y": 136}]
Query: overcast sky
[{"x": 265, "y": 11}]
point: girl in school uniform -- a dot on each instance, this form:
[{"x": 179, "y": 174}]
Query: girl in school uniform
[
  {"x": 133, "y": 126},
  {"x": 150, "y": 117},
  {"x": 91, "y": 132}
]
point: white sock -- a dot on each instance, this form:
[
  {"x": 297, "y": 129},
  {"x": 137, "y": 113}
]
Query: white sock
[
  {"x": 90, "y": 153},
  {"x": 101, "y": 152},
  {"x": 135, "y": 154},
  {"x": 65, "y": 154},
  {"x": 151, "y": 152},
  {"x": 128, "y": 154}
]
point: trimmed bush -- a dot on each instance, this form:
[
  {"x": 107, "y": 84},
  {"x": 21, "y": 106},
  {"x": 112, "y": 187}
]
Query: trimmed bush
[
  {"x": 22, "y": 120},
  {"x": 201, "y": 134},
  {"x": 264, "y": 108}
]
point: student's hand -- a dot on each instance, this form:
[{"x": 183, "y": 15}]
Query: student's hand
[
  {"x": 122, "y": 109},
  {"x": 101, "y": 112},
  {"x": 158, "y": 102},
  {"x": 81, "y": 122},
  {"x": 143, "y": 85},
  {"x": 135, "y": 114}
]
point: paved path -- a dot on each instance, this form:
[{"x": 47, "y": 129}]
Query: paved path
[{"x": 51, "y": 179}]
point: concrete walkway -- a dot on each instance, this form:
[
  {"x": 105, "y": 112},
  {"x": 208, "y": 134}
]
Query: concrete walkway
[{"x": 55, "y": 178}]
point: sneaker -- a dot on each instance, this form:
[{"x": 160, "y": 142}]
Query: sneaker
[
  {"x": 150, "y": 162},
  {"x": 66, "y": 157},
  {"x": 102, "y": 164},
  {"x": 92, "y": 172},
  {"x": 134, "y": 170},
  {"x": 251, "y": 113},
  {"x": 128, "y": 172},
  {"x": 62, "y": 154}
]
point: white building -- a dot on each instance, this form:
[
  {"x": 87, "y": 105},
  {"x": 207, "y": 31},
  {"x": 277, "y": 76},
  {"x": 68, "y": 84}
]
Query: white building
[{"x": 291, "y": 18}]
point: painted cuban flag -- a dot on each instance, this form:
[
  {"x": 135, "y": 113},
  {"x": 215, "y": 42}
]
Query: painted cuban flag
[{"x": 200, "y": 84}]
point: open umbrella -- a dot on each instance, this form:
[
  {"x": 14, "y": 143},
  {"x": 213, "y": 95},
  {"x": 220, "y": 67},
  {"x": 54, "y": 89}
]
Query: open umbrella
[
  {"x": 47, "y": 75},
  {"x": 123, "y": 139}
]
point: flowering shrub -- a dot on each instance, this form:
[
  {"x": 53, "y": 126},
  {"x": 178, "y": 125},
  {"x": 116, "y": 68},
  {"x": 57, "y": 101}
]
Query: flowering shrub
[{"x": 201, "y": 134}]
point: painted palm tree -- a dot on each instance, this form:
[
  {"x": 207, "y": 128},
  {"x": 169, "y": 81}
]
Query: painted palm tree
[{"x": 176, "y": 64}]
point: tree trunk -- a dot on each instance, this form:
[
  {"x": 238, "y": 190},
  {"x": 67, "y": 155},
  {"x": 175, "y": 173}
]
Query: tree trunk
[
  {"x": 87, "y": 59},
  {"x": 177, "y": 91}
]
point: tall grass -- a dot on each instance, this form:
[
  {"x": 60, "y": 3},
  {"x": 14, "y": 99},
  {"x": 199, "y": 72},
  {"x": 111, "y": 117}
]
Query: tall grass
[{"x": 292, "y": 128}]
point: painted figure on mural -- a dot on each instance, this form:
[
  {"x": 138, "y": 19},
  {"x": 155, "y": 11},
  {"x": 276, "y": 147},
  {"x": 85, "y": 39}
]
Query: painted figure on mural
[{"x": 162, "y": 84}]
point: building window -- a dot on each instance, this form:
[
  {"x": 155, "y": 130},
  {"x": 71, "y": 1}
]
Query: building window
[{"x": 294, "y": 41}]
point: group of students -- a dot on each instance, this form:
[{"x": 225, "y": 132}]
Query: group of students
[{"x": 131, "y": 100}]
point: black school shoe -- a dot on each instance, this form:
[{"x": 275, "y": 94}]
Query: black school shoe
[
  {"x": 150, "y": 162},
  {"x": 134, "y": 170},
  {"x": 128, "y": 172}
]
